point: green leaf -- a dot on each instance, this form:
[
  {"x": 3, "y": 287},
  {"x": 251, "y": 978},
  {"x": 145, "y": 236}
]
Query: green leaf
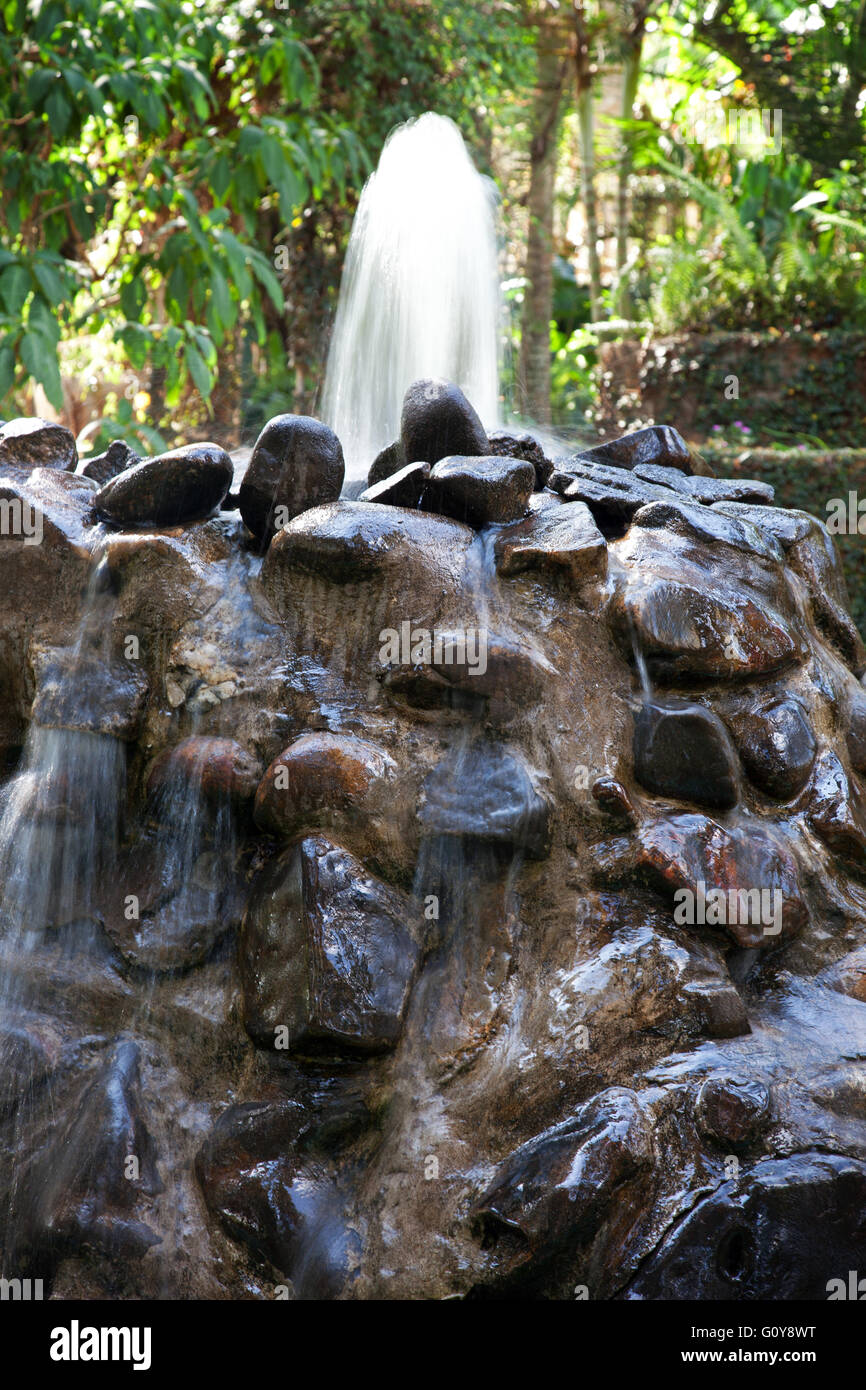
[
  {"x": 15, "y": 285},
  {"x": 40, "y": 360},
  {"x": 7, "y": 370},
  {"x": 198, "y": 370}
]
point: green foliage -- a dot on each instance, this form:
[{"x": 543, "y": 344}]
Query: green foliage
[{"x": 144, "y": 144}]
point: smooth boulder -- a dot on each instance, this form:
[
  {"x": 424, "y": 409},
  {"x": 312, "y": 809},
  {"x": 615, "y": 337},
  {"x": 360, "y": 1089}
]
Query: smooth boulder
[
  {"x": 297, "y": 463},
  {"x": 184, "y": 485},
  {"x": 437, "y": 420}
]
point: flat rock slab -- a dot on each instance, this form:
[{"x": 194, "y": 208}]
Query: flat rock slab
[
  {"x": 405, "y": 488},
  {"x": 480, "y": 491},
  {"x": 34, "y": 443},
  {"x": 557, "y": 538},
  {"x": 170, "y": 490},
  {"x": 706, "y": 490},
  {"x": 613, "y": 495},
  {"x": 326, "y": 953}
]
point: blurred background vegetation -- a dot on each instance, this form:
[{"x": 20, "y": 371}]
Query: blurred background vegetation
[{"x": 683, "y": 207}]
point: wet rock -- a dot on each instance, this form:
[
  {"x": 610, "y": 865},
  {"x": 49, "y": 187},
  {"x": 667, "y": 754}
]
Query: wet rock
[
  {"x": 470, "y": 670},
  {"x": 116, "y": 459},
  {"x": 486, "y": 794},
  {"x": 343, "y": 784},
  {"x": 34, "y": 443},
  {"x": 855, "y": 735},
  {"x": 553, "y": 1194},
  {"x": 255, "y": 1183},
  {"x": 720, "y": 1009},
  {"x": 84, "y": 691},
  {"x": 705, "y": 490},
  {"x": 297, "y": 463},
  {"x": 221, "y": 770},
  {"x": 387, "y": 462},
  {"x": 613, "y": 495},
  {"x": 751, "y": 873},
  {"x": 683, "y": 750},
  {"x": 405, "y": 488},
  {"x": 169, "y": 490},
  {"x": 836, "y": 811},
  {"x": 689, "y": 631},
  {"x": 848, "y": 975},
  {"x": 29, "y": 1050},
  {"x": 438, "y": 421},
  {"x": 327, "y": 953},
  {"x": 708, "y": 528},
  {"x": 816, "y": 560},
  {"x": 76, "y": 1189},
  {"x": 522, "y": 446},
  {"x": 732, "y": 1110},
  {"x": 556, "y": 538},
  {"x": 782, "y": 1230},
  {"x": 786, "y": 527},
  {"x": 613, "y": 799},
  {"x": 776, "y": 744},
  {"x": 480, "y": 491},
  {"x": 657, "y": 444}
]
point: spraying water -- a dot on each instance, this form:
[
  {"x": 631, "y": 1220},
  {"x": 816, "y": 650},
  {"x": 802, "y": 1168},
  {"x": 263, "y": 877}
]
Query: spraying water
[{"x": 420, "y": 295}]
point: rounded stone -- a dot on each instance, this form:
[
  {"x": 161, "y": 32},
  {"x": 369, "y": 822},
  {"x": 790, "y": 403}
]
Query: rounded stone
[
  {"x": 437, "y": 421},
  {"x": 297, "y": 463},
  {"x": 184, "y": 485},
  {"x": 732, "y": 1109}
]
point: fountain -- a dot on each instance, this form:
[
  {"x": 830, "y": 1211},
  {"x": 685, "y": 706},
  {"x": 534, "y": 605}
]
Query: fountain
[
  {"x": 357, "y": 957},
  {"x": 420, "y": 294}
]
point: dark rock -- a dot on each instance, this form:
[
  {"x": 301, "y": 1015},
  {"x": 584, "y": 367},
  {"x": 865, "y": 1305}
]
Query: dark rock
[
  {"x": 732, "y": 1109},
  {"x": 76, "y": 1190},
  {"x": 776, "y": 744},
  {"x": 787, "y": 527},
  {"x": 783, "y": 1229},
  {"x": 116, "y": 459},
  {"x": 169, "y": 490},
  {"x": 836, "y": 811},
  {"x": 522, "y": 446},
  {"x": 389, "y": 461},
  {"x": 657, "y": 444},
  {"x": 85, "y": 692},
  {"x": 855, "y": 736},
  {"x": 848, "y": 975},
  {"x": 554, "y": 1193},
  {"x": 551, "y": 539},
  {"x": 613, "y": 495},
  {"x": 297, "y": 463},
  {"x": 697, "y": 854},
  {"x": 438, "y": 422},
  {"x": 613, "y": 799},
  {"x": 480, "y": 491},
  {"x": 221, "y": 770},
  {"x": 326, "y": 953},
  {"x": 710, "y": 528},
  {"x": 816, "y": 560},
  {"x": 406, "y": 488},
  {"x": 682, "y": 750},
  {"x": 486, "y": 794},
  {"x": 706, "y": 490},
  {"x": 720, "y": 1008},
  {"x": 34, "y": 443}
]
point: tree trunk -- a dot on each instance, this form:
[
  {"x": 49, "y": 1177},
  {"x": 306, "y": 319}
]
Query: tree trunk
[
  {"x": 534, "y": 372},
  {"x": 585, "y": 72},
  {"x": 630, "y": 80}
]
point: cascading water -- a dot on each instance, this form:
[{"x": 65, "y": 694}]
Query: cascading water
[{"x": 420, "y": 295}]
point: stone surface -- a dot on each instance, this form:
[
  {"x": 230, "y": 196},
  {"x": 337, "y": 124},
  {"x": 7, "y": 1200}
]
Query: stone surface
[
  {"x": 297, "y": 463},
  {"x": 172, "y": 489},
  {"x": 221, "y": 769},
  {"x": 657, "y": 444},
  {"x": 486, "y": 795},
  {"x": 480, "y": 490},
  {"x": 327, "y": 953},
  {"x": 836, "y": 811},
  {"x": 405, "y": 488},
  {"x": 33, "y": 443},
  {"x": 522, "y": 446},
  {"x": 437, "y": 421},
  {"x": 682, "y": 750},
  {"x": 556, "y": 538},
  {"x": 387, "y": 462},
  {"x": 116, "y": 459},
  {"x": 706, "y": 490},
  {"x": 732, "y": 1110},
  {"x": 776, "y": 744}
]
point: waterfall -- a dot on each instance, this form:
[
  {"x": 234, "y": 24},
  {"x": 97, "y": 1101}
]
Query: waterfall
[{"x": 420, "y": 295}]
